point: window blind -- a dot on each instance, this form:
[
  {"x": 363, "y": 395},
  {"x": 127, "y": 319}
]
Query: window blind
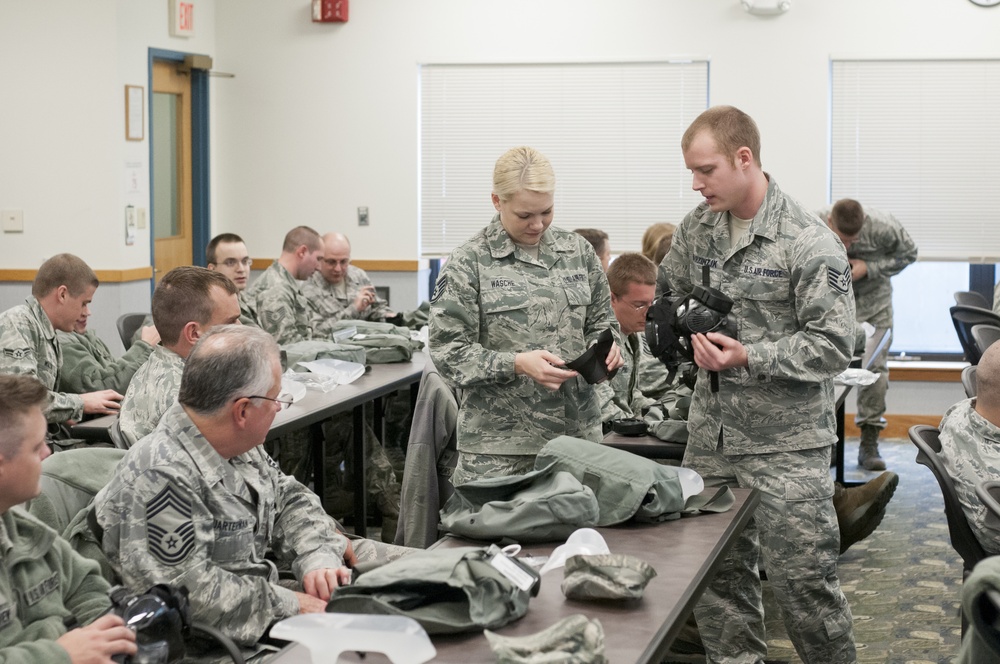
[
  {"x": 611, "y": 130},
  {"x": 920, "y": 139}
]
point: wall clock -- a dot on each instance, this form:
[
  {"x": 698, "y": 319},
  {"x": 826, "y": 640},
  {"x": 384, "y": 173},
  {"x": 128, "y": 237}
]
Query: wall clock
[{"x": 985, "y": 3}]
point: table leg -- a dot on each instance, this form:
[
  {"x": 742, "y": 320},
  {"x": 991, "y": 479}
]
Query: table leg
[
  {"x": 840, "y": 447},
  {"x": 318, "y": 461},
  {"x": 360, "y": 473}
]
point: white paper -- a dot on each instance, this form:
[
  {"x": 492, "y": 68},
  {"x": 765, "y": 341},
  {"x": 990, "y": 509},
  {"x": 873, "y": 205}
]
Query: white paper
[{"x": 343, "y": 371}]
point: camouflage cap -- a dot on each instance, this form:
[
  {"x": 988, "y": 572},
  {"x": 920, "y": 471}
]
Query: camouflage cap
[
  {"x": 572, "y": 640},
  {"x": 607, "y": 576}
]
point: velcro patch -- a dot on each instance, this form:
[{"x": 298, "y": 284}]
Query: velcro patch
[
  {"x": 839, "y": 281},
  {"x": 169, "y": 528}
]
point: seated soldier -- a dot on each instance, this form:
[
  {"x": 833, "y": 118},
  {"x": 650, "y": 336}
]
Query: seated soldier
[
  {"x": 46, "y": 588},
  {"x": 632, "y": 278},
  {"x": 60, "y": 295},
  {"x": 970, "y": 446},
  {"x": 186, "y": 303},
  {"x": 227, "y": 253},
  {"x": 284, "y": 311},
  {"x": 199, "y": 503},
  {"x": 89, "y": 365},
  {"x": 339, "y": 290}
]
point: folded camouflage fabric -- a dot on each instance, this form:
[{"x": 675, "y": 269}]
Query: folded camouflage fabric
[
  {"x": 540, "y": 506},
  {"x": 608, "y": 576},
  {"x": 572, "y": 640},
  {"x": 446, "y": 590}
]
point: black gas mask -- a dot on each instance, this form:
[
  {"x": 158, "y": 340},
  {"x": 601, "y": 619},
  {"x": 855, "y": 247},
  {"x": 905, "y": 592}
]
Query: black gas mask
[
  {"x": 160, "y": 618},
  {"x": 672, "y": 319}
]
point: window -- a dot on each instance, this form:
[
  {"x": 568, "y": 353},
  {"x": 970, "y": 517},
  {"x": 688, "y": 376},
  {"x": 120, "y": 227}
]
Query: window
[
  {"x": 612, "y": 132},
  {"x": 918, "y": 138}
]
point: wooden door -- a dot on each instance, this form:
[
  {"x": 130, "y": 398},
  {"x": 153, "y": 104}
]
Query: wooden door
[{"x": 170, "y": 120}]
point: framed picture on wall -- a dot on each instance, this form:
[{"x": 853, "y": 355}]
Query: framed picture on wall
[{"x": 135, "y": 115}]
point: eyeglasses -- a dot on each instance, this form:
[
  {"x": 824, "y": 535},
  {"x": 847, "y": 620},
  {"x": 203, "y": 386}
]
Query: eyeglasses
[
  {"x": 282, "y": 405},
  {"x": 233, "y": 262},
  {"x": 639, "y": 307}
]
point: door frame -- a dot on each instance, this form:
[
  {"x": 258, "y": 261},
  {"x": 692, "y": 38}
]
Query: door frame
[{"x": 201, "y": 222}]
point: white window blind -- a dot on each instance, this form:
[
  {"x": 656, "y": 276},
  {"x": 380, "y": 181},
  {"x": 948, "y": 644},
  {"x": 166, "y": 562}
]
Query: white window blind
[
  {"x": 920, "y": 139},
  {"x": 611, "y": 131}
]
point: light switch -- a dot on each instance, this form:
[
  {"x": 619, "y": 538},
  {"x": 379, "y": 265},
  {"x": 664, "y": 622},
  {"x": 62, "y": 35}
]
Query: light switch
[
  {"x": 12, "y": 221},
  {"x": 140, "y": 218}
]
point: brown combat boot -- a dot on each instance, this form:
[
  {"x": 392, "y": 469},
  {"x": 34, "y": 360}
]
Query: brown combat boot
[
  {"x": 868, "y": 457},
  {"x": 860, "y": 509}
]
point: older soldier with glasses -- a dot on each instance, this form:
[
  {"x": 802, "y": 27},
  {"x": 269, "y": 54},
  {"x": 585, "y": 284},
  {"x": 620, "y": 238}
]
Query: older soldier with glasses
[{"x": 199, "y": 503}]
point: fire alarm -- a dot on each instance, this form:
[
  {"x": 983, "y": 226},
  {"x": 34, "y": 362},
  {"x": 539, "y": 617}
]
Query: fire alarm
[{"x": 329, "y": 11}]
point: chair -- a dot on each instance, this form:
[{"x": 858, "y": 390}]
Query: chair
[
  {"x": 984, "y": 336},
  {"x": 127, "y": 325},
  {"x": 964, "y": 318},
  {"x": 972, "y": 299},
  {"x": 969, "y": 380},
  {"x": 963, "y": 540}
]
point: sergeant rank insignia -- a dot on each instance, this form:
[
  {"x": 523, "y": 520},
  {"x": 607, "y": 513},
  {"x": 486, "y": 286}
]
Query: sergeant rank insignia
[
  {"x": 169, "y": 526},
  {"x": 840, "y": 281}
]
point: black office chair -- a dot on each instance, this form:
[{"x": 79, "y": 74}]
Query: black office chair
[
  {"x": 969, "y": 380},
  {"x": 985, "y": 335},
  {"x": 964, "y": 318},
  {"x": 972, "y": 299},
  {"x": 127, "y": 325},
  {"x": 989, "y": 493},
  {"x": 962, "y": 538}
]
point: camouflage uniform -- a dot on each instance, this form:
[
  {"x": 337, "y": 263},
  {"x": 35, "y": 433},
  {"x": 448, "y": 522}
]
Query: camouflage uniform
[
  {"x": 620, "y": 396},
  {"x": 28, "y": 346},
  {"x": 329, "y": 307},
  {"x": 152, "y": 391},
  {"x": 248, "y": 310},
  {"x": 970, "y": 449},
  {"x": 177, "y": 512},
  {"x": 493, "y": 300},
  {"x": 89, "y": 366},
  {"x": 283, "y": 311},
  {"x": 887, "y": 249},
  {"x": 771, "y": 426},
  {"x": 43, "y": 583}
]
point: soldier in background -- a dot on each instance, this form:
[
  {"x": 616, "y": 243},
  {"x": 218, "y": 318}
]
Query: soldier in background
[
  {"x": 227, "y": 253},
  {"x": 510, "y": 307},
  {"x": 283, "y": 310},
  {"x": 339, "y": 290},
  {"x": 187, "y": 302},
  {"x": 878, "y": 248},
  {"x": 60, "y": 295},
  {"x": 770, "y": 425},
  {"x": 89, "y": 365},
  {"x": 199, "y": 503}
]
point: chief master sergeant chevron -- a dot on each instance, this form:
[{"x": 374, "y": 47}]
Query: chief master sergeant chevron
[{"x": 771, "y": 423}]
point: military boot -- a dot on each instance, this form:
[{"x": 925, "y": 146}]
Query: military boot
[
  {"x": 860, "y": 509},
  {"x": 868, "y": 457}
]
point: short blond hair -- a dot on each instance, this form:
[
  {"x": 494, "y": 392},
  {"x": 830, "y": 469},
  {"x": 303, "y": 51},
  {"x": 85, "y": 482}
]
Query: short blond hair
[
  {"x": 731, "y": 128},
  {"x": 656, "y": 241},
  {"x": 522, "y": 168}
]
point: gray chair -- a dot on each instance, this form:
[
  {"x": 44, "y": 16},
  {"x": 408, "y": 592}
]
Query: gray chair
[
  {"x": 969, "y": 380},
  {"x": 127, "y": 325},
  {"x": 985, "y": 335},
  {"x": 972, "y": 299},
  {"x": 963, "y": 540},
  {"x": 964, "y": 318},
  {"x": 989, "y": 493}
]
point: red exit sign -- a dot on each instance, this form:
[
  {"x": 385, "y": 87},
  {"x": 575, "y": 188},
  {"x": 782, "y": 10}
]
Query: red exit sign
[
  {"x": 182, "y": 18},
  {"x": 329, "y": 11}
]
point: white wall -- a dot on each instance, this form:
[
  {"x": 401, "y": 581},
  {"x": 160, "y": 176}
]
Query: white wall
[{"x": 323, "y": 118}]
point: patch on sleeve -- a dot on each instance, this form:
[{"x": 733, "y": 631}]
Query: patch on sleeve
[
  {"x": 439, "y": 287},
  {"x": 839, "y": 281},
  {"x": 17, "y": 353},
  {"x": 169, "y": 528},
  {"x": 274, "y": 316}
]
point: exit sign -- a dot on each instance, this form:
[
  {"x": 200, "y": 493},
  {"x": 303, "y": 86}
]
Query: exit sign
[{"x": 182, "y": 18}]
